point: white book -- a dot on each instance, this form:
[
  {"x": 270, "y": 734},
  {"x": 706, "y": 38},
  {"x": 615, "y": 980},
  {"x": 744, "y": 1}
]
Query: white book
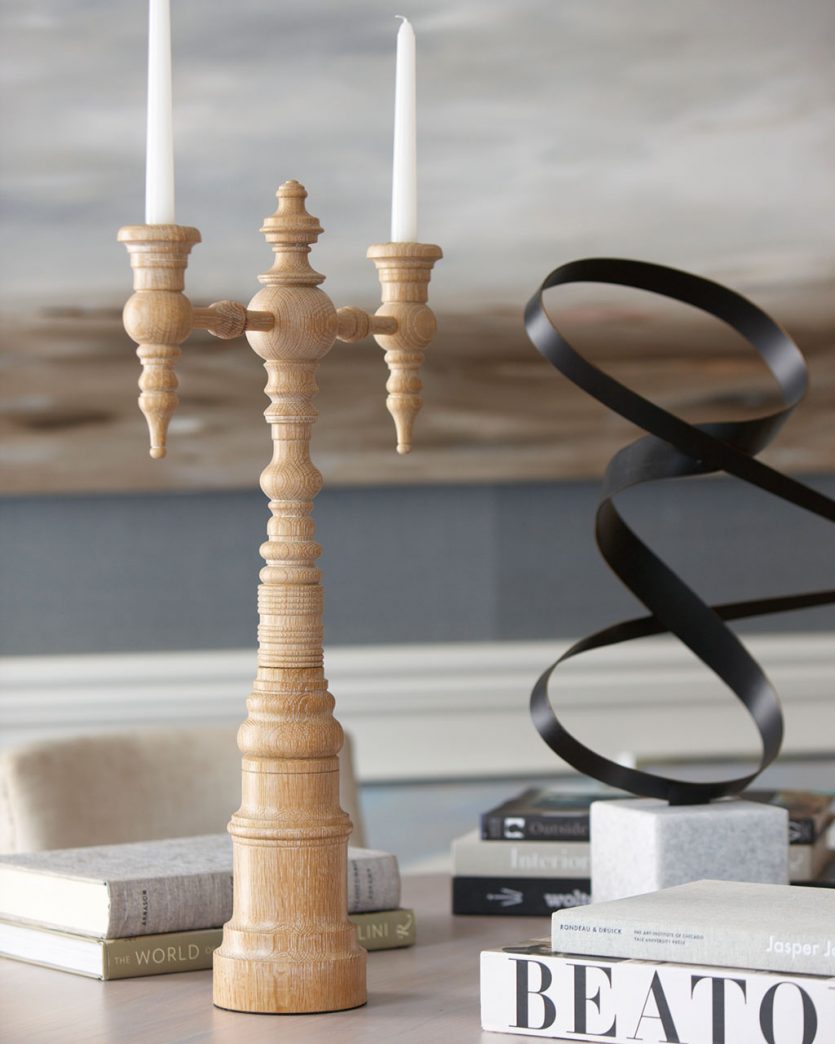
[
  {"x": 530, "y": 990},
  {"x": 786, "y": 928},
  {"x": 474, "y": 857},
  {"x": 153, "y": 887},
  {"x": 807, "y": 861}
]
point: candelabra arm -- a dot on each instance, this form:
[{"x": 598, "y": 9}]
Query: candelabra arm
[
  {"x": 230, "y": 319},
  {"x": 158, "y": 316},
  {"x": 404, "y": 271},
  {"x": 355, "y": 324}
]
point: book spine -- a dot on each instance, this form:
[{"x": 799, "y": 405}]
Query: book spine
[
  {"x": 159, "y": 954},
  {"x": 518, "y": 896},
  {"x": 190, "y": 902},
  {"x": 825, "y": 878},
  {"x": 803, "y": 829},
  {"x": 807, "y": 861},
  {"x": 373, "y": 883},
  {"x": 808, "y": 829},
  {"x": 173, "y": 903},
  {"x": 575, "y": 826},
  {"x": 385, "y": 929},
  {"x": 471, "y": 857},
  {"x": 567, "y": 826},
  {"x": 192, "y": 951},
  {"x": 703, "y": 941},
  {"x": 548, "y": 995}
]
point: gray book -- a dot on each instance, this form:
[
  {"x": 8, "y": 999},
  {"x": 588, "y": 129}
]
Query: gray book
[
  {"x": 154, "y": 887},
  {"x": 474, "y": 857},
  {"x": 785, "y": 928}
]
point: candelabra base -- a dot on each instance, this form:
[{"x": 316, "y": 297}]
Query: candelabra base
[{"x": 289, "y": 986}]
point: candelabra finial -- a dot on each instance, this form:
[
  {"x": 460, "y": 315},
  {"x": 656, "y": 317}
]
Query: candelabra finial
[{"x": 291, "y": 231}]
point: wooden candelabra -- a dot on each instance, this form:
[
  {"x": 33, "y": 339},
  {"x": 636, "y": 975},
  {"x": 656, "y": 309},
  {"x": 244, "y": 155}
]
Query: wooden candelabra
[{"x": 289, "y": 946}]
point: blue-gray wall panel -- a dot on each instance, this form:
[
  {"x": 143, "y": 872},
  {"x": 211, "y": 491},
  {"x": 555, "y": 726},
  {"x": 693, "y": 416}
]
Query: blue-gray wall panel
[{"x": 401, "y": 564}]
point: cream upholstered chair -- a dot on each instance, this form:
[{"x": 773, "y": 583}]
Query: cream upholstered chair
[{"x": 130, "y": 786}]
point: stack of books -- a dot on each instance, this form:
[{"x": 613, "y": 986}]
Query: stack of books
[
  {"x": 531, "y": 855},
  {"x": 528, "y": 857},
  {"x": 707, "y": 963},
  {"x": 119, "y": 911}
]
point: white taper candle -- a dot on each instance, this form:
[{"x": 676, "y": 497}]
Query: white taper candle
[
  {"x": 159, "y": 160},
  {"x": 404, "y": 173}
]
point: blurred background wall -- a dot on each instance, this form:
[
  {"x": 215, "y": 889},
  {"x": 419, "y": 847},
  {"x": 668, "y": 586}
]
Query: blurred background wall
[
  {"x": 696, "y": 135},
  {"x": 410, "y": 564}
]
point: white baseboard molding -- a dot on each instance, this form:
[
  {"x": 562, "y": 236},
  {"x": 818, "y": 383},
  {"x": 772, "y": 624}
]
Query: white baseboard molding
[{"x": 447, "y": 711}]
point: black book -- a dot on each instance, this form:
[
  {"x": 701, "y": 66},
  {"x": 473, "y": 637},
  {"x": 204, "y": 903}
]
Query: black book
[
  {"x": 810, "y": 811},
  {"x": 518, "y": 896},
  {"x": 545, "y": 814}
]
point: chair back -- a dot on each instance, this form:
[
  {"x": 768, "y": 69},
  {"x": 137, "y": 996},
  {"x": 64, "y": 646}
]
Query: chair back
[{"x": 140, "y": 785}]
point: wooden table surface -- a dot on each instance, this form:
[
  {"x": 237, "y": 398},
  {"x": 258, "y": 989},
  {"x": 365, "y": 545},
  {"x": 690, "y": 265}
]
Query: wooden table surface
[{"x": 421, "y": 995}]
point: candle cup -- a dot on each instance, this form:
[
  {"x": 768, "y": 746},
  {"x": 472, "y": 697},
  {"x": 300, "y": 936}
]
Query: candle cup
[
  {"x": 404, "y": 271},
  {"x": 158, "y": 316}
]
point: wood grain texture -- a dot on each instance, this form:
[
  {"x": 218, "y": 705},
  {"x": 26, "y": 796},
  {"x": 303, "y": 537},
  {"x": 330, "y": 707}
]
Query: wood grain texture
[
  {"x": 426, "y": 993},
  {"x": 354, "y": 324},
  {"x": 158, "y": 317},
  {"x": 404, "y": 270},
  {"x": 229, "y": 319},
  {"x": 289, "y": 946}
]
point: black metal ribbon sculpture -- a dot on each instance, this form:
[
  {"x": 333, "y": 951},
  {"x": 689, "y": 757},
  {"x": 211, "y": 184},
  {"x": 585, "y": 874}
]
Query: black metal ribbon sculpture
[{"x": 672, "y": 448}]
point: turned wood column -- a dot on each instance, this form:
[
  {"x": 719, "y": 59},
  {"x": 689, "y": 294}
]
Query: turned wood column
[{"x": 289, "y": 946}]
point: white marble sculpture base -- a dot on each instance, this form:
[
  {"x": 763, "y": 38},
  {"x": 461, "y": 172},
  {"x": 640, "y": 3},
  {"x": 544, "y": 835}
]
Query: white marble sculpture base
[{"x": 643, "y": 844}]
